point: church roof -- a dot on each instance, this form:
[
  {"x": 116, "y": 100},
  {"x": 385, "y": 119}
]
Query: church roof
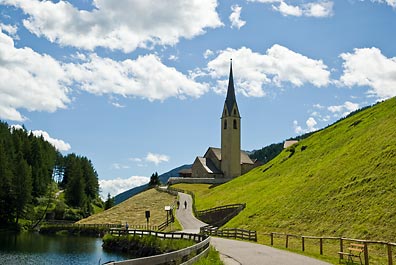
[
  {"x": 230, "y": 99},
  {"x": 245, "y": 159},
  {"x": 208, "y": 165}
]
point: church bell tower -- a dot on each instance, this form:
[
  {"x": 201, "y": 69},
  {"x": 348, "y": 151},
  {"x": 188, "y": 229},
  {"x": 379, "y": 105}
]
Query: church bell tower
[{"x": 231, "y": 133}]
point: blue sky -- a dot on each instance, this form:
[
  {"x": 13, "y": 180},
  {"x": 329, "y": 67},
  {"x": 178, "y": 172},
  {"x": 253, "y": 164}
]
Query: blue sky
[{"x": 139, "y": 86}]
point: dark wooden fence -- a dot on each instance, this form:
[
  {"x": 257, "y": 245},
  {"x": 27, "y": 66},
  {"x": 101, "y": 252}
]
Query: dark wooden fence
[
  {"x": 342, "y": 241},
  {"x": 105, "y": 226},
  {"x": 229, "y": 233}
]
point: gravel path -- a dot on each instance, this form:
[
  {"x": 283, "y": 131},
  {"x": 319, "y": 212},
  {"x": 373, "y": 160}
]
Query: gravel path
[{"x": 234, "y": 252}]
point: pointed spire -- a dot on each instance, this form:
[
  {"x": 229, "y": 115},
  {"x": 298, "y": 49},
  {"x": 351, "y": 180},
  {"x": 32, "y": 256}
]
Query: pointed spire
[{"x": 230, "y": 99}]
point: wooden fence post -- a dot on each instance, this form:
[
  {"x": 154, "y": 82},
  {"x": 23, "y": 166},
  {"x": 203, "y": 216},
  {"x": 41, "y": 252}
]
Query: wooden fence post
[
  {"x": 287, "y": 240},
  {"x": 341, "y": 248},
  {"x": 390, "y": 258},
  {"x": 303, "y": 243},
  {"x": 366, "y": 255},
  {"x": 272, "y": 239},
  {"x": 321, "y": 246}
]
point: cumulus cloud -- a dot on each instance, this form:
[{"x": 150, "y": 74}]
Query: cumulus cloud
[
  {"x": 29, "y": 80},
  {"x": 123, "y": 25},
  {"x": 118, "y": 185},
  {"x": 310, "y": 123},
  {"x": 37, "y": 82},
  {"x": 279, "y": 65},
  {"x": 391, "y": 3},
  {"x": 235, "y": 17},
  {"x": 156, "y": 158},
  {"x": 311, "y": 9},
  {"x": 60, "y": 145},
  {"x": 344, "y": 109},
  {"x": 369, "y": 67},
  {"x": 288, "y": 10},
  {"x": 145, "y": 77},
  {"x": 10, "y": 29}
]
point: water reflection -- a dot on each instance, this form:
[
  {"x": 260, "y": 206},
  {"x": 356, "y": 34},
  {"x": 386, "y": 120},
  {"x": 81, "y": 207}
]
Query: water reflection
[{"x": 33, "y": 248}]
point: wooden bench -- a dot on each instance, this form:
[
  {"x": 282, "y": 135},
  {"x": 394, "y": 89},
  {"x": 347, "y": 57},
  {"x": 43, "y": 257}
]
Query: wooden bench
[{"x": 354, "y": 250}]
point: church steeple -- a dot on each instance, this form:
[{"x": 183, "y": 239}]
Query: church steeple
[
  {"x": 230, "y": 105},
  {"x": 231, "y": 133},
  {"x": 230, "y": 99}
]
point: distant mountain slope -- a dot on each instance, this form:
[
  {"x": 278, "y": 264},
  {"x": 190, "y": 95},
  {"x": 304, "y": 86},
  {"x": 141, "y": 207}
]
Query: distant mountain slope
[
  {"x": 339, "y": 181},
  {"x": 163, "y": 178}
]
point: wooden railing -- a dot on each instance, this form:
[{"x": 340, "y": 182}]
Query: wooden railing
[
  {"x": 164, "y": 235},
  {"x": 236, "y": 205},
  {"x": 108, "y": 226},
  {"x": 229, "y": 233},
  {"x": 341, "y": 240},
  {"x": 219, "y": 216},
  {"x": 185, "y": 256},
  {"x": 166, "y": 223}
]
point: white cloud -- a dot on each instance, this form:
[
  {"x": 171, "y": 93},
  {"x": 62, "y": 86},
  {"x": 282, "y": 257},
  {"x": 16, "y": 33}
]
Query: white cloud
[
  {"x": 135, "y": 159},
  {"x": 118, "y": 185},
  {"x": 29, "y": 80},
  {"x": 343, "y": 110},
  {"x": 60, "y": 145},
  {"x": 311, "y": 9},
  {"x": 37, "y": 82},
  {"x": 318, "y": 9},
  {"x": 124, "y": 24},
  {"x": 173, "y": 57},
  {"x": 277, "y": 66},
  {"x": 10, "y": 29},
  {"x": 119, "y": 166},
  {"x": 311, "y": 123},
  {"x": 369, "y": 67},
  {"x": 156, "y": 158},
  {"x": 235, "y": 17},
  {"x": 145, "y": 77},
  {"x": 208, "y": 53},
  {"x": 288, "y": 10},
  {"x": 392, "y": 3}
]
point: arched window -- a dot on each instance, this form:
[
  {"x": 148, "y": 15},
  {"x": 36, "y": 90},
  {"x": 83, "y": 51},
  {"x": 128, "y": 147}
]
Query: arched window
[
  {"x": 235, "y": 124},
  {"x": 234, "y": 111},
  {"x": 225, "y": 124}
]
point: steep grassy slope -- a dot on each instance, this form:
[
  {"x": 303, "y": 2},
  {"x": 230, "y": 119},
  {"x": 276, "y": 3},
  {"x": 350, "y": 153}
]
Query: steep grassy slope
[{"x": 339, "y": 181}]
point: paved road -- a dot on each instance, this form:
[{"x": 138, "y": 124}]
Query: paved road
[{"x": 235, "y": 252}]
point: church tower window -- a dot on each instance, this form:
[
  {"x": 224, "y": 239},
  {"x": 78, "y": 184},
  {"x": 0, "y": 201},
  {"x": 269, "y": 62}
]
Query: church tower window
[
  {"x": 235, "y": 124},
  {"x": 225, "y": 124}
]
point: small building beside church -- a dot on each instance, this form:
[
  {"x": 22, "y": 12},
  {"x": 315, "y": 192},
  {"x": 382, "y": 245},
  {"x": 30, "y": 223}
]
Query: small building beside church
[{"x": 228, "y": 161}]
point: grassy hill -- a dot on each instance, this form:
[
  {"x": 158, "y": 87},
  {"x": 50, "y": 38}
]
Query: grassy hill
[
  {"x": 340, "y": 181},
  {"x": 133, "y": 210}
]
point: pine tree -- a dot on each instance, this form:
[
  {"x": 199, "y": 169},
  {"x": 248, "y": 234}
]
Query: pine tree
[
  {"x": 154, "y": 180},
  {"x": 21, "y": 186}
]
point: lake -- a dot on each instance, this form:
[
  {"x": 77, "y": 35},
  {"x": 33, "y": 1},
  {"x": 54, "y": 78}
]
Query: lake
[{"x": 34, "y": 248}]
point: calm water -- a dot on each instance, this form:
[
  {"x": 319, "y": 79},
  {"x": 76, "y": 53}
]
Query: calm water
[{"x": 33, "y": 248}]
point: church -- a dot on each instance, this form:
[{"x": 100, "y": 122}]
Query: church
[{"x": 228, "y": 161}]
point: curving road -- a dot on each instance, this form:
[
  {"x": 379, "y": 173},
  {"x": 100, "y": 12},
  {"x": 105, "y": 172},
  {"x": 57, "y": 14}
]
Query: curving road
[{"x": 239, "y": 252}]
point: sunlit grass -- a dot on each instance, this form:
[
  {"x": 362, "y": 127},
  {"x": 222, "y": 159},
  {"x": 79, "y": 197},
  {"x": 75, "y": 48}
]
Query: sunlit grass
[
  {"x": 133, "y": 210},
  {"x": 337, "y": 182}
]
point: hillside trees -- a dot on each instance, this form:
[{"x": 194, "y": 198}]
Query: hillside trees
[
  {"x": 154, "y": 180},
  {"x": 29, "y": 166},
  {"x": 80, "y": 181}
]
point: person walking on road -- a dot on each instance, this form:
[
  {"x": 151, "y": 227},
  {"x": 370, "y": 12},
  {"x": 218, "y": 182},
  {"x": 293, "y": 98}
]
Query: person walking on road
[{"x": 185, "y": 204}]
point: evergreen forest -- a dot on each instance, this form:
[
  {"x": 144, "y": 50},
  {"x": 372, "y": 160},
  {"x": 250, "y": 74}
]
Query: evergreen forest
[{"x": 38, "y": 182}]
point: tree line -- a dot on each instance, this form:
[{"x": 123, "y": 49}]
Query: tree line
[{"x": 30, "y": 167}]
